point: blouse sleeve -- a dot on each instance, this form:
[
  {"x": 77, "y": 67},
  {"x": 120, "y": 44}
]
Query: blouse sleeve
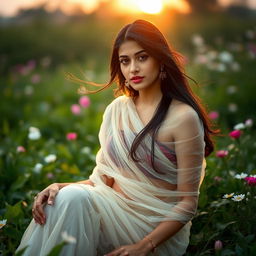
[{"x": 189, "y": 148}]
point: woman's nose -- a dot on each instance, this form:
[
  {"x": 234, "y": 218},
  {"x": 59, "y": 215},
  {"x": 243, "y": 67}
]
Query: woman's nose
[{"x": 134, "y": 67}]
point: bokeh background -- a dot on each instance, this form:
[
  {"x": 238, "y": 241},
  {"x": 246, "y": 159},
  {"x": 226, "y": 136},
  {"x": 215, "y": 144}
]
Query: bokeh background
[{"x": 49, "y": 132}]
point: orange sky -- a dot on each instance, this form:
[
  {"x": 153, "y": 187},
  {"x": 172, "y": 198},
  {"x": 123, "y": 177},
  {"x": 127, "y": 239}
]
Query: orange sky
[{"x": 10, "y": 7}]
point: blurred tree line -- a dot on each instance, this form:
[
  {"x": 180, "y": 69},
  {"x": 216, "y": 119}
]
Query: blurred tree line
[{"x": 36, "y": 33}]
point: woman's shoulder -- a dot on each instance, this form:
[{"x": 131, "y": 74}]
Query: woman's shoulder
[
  {"x": 118, "y": 100},
  {"x": 181, "y": 109},
  {"x": 115, "y": 102}
]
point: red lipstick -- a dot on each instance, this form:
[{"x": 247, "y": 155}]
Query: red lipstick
[{"x": 137, "y": 79}]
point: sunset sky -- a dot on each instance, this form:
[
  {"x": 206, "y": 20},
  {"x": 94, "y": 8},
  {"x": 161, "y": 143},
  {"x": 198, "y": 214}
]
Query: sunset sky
[{"x": 10, "y": 7}]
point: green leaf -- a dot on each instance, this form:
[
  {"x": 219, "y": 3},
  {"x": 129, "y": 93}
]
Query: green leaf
[
  {"x": 14, "y": 211},
  {"x": 249, "y": 238},
  {"x": 19, "y": 183},
  {"x": 20, "y": 252},
  {"x": 57, "y": 249},
  {"x": 64, "y": 151},
  {"x": 227, "y": 252},
  {"x": 11, "y": 232},
  {"x": 239, "y": 250},
  {"x": 223, "y": 226}
]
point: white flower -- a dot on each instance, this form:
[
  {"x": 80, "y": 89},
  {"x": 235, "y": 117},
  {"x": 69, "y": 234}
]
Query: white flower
[
  {"x": 226, "y": 57},
  {"x": 249, "y": 34},
  {"x": 201, "y": 59},
  {"x": 235, "y": 66},
  {"x": 29, "y": 90},
  {"x": 197, "y": 40},
  {"x": 86, "y": 150},
  {"x": 221, "y": 67},
  {"x": 34, "y": 133},
  {"x": 231, "y": 146},
  {"x": 239, "y": 126},
  {"x": 228, "y": 195},
  {"x": 50, "y": 158},
  {"x": 248, "y": 123},
  {"x": 231, "y": 89},
  {"x": 241, "y": 176},
  {"x": 238, "y": 197},
  {"x": 2, "y": 223},
  {"x": 232, "y": 173},
  {"x": 212, "y": 55},
  {"x": 232, "y": 107},
  {"x": 67, "y": 238},
  {"x": 38, "y": 167}
]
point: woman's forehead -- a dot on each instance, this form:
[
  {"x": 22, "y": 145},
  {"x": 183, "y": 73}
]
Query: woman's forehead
[{"x": 129, "y": 47}]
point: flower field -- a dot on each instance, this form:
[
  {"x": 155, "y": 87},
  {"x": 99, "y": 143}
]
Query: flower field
[{"x": 49, "y": 134}]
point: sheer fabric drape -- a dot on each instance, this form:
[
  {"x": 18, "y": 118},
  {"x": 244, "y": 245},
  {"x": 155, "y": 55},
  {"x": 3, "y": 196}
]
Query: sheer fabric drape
[{"x": 147, "y": 196}]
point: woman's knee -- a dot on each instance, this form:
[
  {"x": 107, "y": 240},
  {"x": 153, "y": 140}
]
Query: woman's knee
[{"x": 73, "y": 194}]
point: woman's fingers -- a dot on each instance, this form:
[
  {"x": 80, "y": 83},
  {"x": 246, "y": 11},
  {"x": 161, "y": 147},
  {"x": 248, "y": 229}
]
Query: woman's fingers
[
  {"x": 52, "y": 196},
  {"x": 38, "y": 211}
]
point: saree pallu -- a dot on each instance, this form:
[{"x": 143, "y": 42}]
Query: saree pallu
[{"x": 101, "y": 218}]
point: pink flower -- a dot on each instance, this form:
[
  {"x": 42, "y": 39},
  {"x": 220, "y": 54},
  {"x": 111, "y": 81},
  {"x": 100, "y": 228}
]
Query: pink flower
[
  {"x": 21, "y": 149},
  {"x": 84, "y": 101},
  {"x": 217, "y": 178},
  {"x": 50, "y": 175},
  {"x": 75, "y": 109},
  {"x": 251, "y": 181},
  {"x": 235, "y": 134},
  {"x": 213, "y": 115},
  {"x": 36, "y": 78},
  {"x": 249, "y": 123},
  {"x": 218, "y": 245},
  {"x": 221, "y": 153},
  {"x": 31, "y": 64},
  {"x": 71, "y": 136}
]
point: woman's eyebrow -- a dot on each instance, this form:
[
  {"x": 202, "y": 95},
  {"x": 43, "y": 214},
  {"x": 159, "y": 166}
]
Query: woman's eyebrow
[{"x": 139, "y": 52}]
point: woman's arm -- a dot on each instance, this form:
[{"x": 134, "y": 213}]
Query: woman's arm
[{"x": 190, "y": 155}]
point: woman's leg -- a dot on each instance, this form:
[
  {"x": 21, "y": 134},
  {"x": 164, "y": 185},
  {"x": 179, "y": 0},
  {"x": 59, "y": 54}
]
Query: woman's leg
[{"x": 72, "y": 212}]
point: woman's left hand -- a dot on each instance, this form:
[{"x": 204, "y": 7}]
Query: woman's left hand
[{"x": 138, "y": 249}]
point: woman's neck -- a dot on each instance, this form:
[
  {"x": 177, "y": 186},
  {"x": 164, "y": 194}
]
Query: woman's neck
[{"x": 149, "y": 97}]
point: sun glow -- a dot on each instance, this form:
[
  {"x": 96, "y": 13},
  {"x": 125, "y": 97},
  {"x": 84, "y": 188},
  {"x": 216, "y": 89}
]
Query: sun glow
[{"x": 150, "y": 6}]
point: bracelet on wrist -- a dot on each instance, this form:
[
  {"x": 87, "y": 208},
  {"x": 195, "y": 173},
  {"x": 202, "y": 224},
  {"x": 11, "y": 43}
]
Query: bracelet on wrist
[{"x": 152, "y": 244}]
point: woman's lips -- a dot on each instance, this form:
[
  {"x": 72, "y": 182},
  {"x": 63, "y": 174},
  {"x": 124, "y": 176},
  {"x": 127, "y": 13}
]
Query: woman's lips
[{"x": 137, "y": 80}]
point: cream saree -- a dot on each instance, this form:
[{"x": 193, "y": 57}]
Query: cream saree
[{"x": 103, "y": 218}]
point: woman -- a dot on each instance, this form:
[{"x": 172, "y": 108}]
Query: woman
[{"x": 154, "y": 138}]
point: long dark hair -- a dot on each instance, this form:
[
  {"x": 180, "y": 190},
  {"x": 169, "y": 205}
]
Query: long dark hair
[{"x": 175, "y": 86}]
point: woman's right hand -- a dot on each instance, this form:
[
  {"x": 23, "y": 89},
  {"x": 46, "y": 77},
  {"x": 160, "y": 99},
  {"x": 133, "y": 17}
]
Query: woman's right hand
[{"x": 45, "y": 196}]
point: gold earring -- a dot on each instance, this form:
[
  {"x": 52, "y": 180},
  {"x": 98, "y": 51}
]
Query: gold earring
[{"x": 162, "y": 74}]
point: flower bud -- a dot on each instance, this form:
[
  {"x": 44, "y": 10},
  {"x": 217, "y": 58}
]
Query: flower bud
[{"x": 218, "y": 245}]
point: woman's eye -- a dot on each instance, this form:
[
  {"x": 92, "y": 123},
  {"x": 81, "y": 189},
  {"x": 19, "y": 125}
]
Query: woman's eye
[
  {"x": 124, "y": 61},
  {"x": 143, "y": 57}
]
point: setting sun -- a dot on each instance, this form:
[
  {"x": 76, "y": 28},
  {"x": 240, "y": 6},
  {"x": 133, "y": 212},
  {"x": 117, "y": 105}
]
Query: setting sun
[{"x": 150, "y": 6}]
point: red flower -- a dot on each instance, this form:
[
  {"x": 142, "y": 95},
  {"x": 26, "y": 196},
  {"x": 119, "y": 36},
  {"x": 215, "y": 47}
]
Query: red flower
[
  {"x": 21, "y": 149},
  {"x": 71, "y": 136},
  {"x": 251, "y": 181},
  {"x": 235, "y": 134},
  {"x": 213, "y": 115},
  {"x": 221, "y": 153},
  {"x": 75, "y": 109},
  {"x": 84, "y": 101}
]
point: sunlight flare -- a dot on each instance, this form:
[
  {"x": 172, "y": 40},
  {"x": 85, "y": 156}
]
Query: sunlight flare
[{"x": 150, "y": 6}]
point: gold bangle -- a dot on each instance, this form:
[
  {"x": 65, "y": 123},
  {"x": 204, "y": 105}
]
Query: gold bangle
[{"x": 152, "y": 244}]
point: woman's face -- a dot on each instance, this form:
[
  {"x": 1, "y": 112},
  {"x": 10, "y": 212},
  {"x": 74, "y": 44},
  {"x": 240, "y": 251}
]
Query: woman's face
[{"x": 138, "y": 67}]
